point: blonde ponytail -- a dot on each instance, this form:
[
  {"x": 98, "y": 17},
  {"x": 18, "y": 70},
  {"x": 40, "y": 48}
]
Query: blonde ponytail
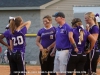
[
  {"x": 81, "y": 35},
  {"x": 96, "y": 21}
]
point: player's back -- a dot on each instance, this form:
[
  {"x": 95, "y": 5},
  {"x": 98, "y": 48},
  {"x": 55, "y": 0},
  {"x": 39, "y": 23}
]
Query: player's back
[
  {"x": 18, "y": 38},
  {"x": 76, "y": 36}
]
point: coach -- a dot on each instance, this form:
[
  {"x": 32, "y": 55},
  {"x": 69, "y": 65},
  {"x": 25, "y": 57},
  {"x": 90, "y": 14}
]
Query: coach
[{"x": 63, "y": 44}]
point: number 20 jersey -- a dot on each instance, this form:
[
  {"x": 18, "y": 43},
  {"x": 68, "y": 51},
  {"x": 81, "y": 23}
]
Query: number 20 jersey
[{"x": 18, "y": 39}]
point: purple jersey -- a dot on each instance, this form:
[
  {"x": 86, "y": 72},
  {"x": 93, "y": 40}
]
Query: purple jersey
[
  {"x": 19, "y": 40},
  {"x": 94, "y": 30},
  {"x": 47, "y": 36},
  {"x": 76, "y": 34},
  {"x": 99, "y": 40},
  {"x": 7, "y": 36},
  {"x": 99, "y": 31},
  {"x": 62, "y": 38}
]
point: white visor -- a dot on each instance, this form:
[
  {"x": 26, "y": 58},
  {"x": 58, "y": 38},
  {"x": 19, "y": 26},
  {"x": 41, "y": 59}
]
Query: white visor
[{"x": 11, "y": 18}]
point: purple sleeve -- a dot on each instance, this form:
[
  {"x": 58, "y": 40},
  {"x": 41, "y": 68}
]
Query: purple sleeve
[
  {"x": 24, "y": 30},
  {"x": 95, "y": 29},
  {"x": 70, "y": 29},
  {"x": 39, "y": 33},
  {"x": 6, "y": 33},
  {"x": 10, "y": 37}
]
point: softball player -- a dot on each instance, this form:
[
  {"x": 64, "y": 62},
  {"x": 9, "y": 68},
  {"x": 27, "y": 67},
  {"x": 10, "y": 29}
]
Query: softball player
[
  {"x": 63, "y": 44},
  {"x": 99, "y": 45},
  {"x": 6, "y": 35},
  {"x": 92, "y": 57},
  {"x": 17, "y": 42},
  {"x": 77, "y": 59},
  {"x": 98, "y": 20},
  {"x": 46, "y": 39}
]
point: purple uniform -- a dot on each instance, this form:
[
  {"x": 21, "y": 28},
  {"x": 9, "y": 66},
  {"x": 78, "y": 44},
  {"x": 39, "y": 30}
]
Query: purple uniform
[
  {"x": 98, "y": 42},
  {"x": 62, "y": 39},
  {"x": 19, "y": 40},
  {"x": 47, "y": 36},
  {"x": 77, "y": 60},
  {"x": 94, "y": 53},
  {"x": 94, "y": 30},
  {"x": 76, "y": 34},
  {"x": 7, "y": 36},
  {"x": 99, "y": 31}
]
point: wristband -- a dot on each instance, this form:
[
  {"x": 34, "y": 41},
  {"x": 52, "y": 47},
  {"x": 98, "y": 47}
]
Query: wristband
[{"x": 74, "y": 45}]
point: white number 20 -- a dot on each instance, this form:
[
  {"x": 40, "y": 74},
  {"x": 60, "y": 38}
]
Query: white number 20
[{"x": 19, "y": 40}]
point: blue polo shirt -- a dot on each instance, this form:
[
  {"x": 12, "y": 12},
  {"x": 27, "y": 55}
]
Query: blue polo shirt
[{"x": 62, "y": 39}]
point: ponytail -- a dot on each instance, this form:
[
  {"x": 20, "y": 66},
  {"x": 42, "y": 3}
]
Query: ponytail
[
  {"x": 15, "y": 22},
  {"x": 12, "y": 26},
  {"x": 96, "y": 21},
  {"x": 81, "y": 35}
]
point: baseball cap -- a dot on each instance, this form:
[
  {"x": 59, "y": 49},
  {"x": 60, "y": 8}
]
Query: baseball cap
[{"x": 59, "y": 14}]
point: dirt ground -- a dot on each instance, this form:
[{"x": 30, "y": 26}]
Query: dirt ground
[{"x": 31, "y": 70}]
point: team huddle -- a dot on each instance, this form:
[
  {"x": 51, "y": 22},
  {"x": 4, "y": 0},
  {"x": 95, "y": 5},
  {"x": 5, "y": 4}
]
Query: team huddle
[
  {"x": 64, "y": 50},
  {"x": 69, "y": 49}
]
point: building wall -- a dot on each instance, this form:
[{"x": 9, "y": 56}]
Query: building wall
[
  {"x": 66, "y": 6},
  {"x": 34, "y": 16},
  {"x": 79, "y": 12}
]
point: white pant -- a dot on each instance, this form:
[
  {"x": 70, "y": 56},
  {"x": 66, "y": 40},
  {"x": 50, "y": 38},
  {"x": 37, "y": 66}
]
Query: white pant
[{"x": 61, "y": 60}]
